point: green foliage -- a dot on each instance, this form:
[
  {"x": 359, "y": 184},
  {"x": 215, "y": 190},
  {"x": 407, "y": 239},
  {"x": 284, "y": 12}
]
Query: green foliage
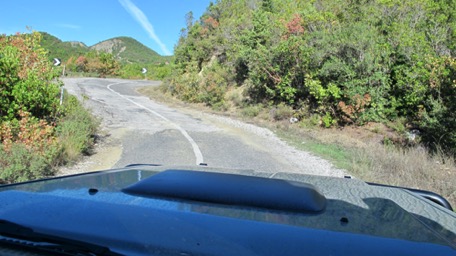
[
  {"x": 100, "y": 63},
  {"x": 35, "y": 130},
  {"x": 31, "y": 148},
  {"x": 26, "y": 78},
  {"x": 328, "y": 120},
  {"x": 20, "y": 164},
  {"x": 123, "y": 56},
  {"x": 185, "y": 86},
  {"x": 132, "y": 71},
  {"x": 252, "y": 110},
  {"x": 62, "y": 50},
  {"x": 323, "y": 96},
  {"x": 213, "y": 86},
  {"x": 128, "y": 50},
  {"x": 281, "y": 112},
  {"x": 346, "y": 62},
  {"x": 28, "y": 149},
  {"x": 437, "y": 114},
  {"x": 75, "y": 130},
  {"x": 160, "y": 72},
  {"x": 154, "y": 71}
]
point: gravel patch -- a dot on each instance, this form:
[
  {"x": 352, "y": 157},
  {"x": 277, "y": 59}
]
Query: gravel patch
[{"x": 304, "y": 162}]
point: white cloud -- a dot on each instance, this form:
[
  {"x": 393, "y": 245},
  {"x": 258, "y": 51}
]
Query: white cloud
[{"x": 139, "y": 16}]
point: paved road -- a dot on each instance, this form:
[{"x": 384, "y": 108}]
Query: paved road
[{"x": 148, "y": 132}]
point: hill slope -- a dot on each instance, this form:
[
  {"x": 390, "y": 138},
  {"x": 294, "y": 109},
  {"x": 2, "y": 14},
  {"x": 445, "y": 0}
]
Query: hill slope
[
  {"x": 125, "y": 49},
  {"x": 328, "y": 61},
  {"x": 63, "y": 50}
]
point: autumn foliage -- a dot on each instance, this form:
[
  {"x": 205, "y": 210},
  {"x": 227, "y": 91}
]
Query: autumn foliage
[
  {"x": 100, "y": 64},
  {"x": 33, "y": 123},
  {"x": 26, "y": 78}
]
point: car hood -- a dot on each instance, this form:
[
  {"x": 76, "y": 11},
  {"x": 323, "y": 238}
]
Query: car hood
[{"x": 357, "y": 218}]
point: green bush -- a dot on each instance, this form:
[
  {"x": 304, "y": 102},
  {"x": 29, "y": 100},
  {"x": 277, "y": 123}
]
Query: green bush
[
  {"x": 154, "y": 71},
  {"x": 213, "y": 85},
  {"x": 281, "y": 112},
  {"x": 437, "y": 114},
  {"x": 251, "y": 110},
  {"x": 75, "y": 131},
  {"x": 327, "y": 120},
  {"x": 26, "y": 78},
  {"x": 38, "y": 148},
  {"x": 22, "y": 164},
  {"x": 36, "y": 133},
  {"x": 28, "y": 149}
]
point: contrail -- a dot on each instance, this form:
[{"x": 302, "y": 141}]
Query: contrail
[{"x": 139, "y": 16}]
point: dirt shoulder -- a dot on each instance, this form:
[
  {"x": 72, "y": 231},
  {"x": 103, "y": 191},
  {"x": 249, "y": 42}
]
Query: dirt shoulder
[{"x": 105, "y": 154}]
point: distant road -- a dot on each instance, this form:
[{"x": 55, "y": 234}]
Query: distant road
[{"x": 144, "y": 131}]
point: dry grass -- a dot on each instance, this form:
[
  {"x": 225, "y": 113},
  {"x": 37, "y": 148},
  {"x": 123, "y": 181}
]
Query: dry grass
[
  {"x": 362, "y": 153},
  {"x": 410, "y": 167}
]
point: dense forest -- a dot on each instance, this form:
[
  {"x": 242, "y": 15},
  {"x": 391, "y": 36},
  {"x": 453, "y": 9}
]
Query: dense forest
[{"x": 346, "y": 62}]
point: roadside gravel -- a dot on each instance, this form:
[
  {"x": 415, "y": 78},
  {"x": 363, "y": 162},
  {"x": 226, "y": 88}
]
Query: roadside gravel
[{"x": 302, "y": 161}]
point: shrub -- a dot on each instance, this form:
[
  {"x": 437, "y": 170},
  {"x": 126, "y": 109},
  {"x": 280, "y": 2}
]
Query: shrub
[
  {"x": 21, "y": 164},
  {"x": 281, "y": 112},
  {"x": 327, "y": 120},
  {"x": 75, "y": 130},
  {"x": 213, "y": 86},
  {"x": 26, "y": 78},
  {"x": 437, "y": 116},
  {"x": 28, "y": 149},
  {"x": 251, "y": 110},
  {"x": 235, "y": 97},
  {"x": 36, "y": 133}
]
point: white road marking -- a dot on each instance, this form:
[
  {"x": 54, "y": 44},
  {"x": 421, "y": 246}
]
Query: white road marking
[
  {"x": 272, "y": 175},
  {"x": 196, "y": 149}
]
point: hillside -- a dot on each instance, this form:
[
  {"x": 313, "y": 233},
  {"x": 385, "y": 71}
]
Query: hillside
[
  {"x": 124, "y": 49},
  {"x": 329, "y": 62},
  {"x": 63, "y": 50},
  {"x": 128, "y": 50}
]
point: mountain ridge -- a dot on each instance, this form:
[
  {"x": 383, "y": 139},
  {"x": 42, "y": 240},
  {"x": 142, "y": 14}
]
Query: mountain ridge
[{"x": 123, "y": 48}]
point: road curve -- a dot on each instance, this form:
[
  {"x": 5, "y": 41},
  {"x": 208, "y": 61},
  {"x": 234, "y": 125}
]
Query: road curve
[
  {"x": 144, "y": 131},
  {"x": 196, "y": 150}
]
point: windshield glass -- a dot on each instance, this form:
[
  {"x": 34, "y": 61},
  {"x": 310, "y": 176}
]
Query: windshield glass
[{"x": 359, "y": 93}]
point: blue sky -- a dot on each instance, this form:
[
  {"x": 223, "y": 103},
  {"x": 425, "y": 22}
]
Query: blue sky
[{"x": 155, "y": 23}]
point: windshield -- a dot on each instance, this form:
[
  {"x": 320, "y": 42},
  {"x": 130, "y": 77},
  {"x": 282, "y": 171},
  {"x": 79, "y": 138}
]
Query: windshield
[{"x": 360, "y": 90}]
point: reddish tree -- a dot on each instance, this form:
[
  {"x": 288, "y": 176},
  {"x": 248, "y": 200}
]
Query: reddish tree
[{"x": 294, "y": 27}]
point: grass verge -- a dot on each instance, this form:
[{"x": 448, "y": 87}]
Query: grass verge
[
  {"x": 372, "y": 161},
  {"x": 76, "y": 131}
]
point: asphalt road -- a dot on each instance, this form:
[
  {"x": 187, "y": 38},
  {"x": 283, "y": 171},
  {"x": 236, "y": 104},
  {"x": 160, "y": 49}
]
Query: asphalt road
[{"x": 147, "y": 132}]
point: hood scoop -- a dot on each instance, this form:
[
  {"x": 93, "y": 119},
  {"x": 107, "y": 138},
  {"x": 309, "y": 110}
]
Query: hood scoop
[{"x": 231, "y": 189}]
